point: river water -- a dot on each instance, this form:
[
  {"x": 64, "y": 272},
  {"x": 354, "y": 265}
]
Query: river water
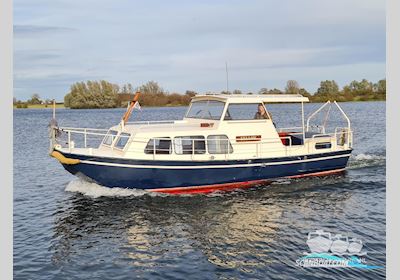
[{"x": 66, "y": 228}]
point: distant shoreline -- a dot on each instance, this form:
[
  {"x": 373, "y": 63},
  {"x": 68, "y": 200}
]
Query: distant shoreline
[{"x": 61, "y": 105}]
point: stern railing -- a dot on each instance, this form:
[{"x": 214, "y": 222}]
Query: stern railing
[{"x": 322, "y": 127}]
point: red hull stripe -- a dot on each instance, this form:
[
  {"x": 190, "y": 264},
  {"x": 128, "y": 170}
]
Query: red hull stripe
[
  {"x": 231, "y": 186},
  {"x": 317, "y": 173}
]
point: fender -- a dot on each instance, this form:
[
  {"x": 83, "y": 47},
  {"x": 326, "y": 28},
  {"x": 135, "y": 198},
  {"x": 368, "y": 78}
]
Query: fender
[{"x": 64, "y": 160}]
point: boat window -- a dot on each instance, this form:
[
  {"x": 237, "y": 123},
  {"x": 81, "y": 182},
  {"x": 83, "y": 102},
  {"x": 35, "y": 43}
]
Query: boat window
[
  {"x": 109, "y": 138},
  {"x": 246, "y": 112},
  {"x": 122, "y": 140},
  {"x": 324, "y": 145},
  {"x": 207, "y": 109},
  {"x": 190, "y": 145},
  {"x": 219, "y": 144},
  {"x": 160, "y": 145}
]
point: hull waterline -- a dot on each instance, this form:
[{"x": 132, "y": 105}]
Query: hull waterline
[{"x": 202, "y": 177}]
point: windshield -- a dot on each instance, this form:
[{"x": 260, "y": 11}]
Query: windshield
[
  {"x": 246, "y": 112},
  {"x": 207, "y": 109},
  {"x": 109, "y": 138}
]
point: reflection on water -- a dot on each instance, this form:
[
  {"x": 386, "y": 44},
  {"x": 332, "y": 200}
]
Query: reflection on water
[{"x": 243, "y": 229}]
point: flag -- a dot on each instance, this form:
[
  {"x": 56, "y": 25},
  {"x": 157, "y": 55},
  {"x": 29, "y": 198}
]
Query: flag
[{"x": 137, "y": 106}]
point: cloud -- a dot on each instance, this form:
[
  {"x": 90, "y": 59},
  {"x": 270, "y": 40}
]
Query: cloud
[
  {"x": 244, "y": 58},
  {"x": 25, "y": 58},
  {"x": 34, "y": 30},
  {"x": 184, "y": 45}
]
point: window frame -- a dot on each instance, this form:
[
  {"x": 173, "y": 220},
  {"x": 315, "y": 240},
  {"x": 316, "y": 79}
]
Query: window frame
[
  {"x": 114, "y": 137},
  {"x": 229, "y": 149},
  {"x": 224, "y": 103},
  {"x": 153, "y": 150},
  {"x": 128, "y": 136},
  {"x": 198, "y": 138}
]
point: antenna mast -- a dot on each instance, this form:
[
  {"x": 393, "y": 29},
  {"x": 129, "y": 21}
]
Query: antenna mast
[
  {"x": 54, "y": 109},
  {"x": 227, "y": 80}
]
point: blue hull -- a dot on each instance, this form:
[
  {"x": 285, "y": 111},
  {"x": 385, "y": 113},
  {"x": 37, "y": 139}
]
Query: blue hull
[{"x": 150, "y": 175}]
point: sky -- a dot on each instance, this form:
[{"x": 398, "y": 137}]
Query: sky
[{"x": 184, "y": 45}]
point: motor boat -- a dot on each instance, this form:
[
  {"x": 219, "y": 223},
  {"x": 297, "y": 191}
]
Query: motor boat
[
  {"x": 340, "y": 244},
  {"x": 355, "y": 246},
  {"x": 319, "y": 241},
  {"x": 223, "y": 142}
]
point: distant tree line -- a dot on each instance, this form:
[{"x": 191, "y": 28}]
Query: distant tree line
[
  {"x": 92, "y": 95},
  {"x": 34, "y": 100},
  {"x": 103, "y": 94},
  {"x": 363, "y": 90},
  {"x": 355, "y": 91}
]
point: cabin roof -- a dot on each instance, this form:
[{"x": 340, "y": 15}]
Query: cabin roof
[{"x": 242, "y": 98}]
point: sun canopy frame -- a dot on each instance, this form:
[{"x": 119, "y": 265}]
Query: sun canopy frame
[{"x": 265, "y": 98}]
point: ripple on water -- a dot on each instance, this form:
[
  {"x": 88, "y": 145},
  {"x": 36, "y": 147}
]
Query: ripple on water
[{"x": 67, "y": 228}]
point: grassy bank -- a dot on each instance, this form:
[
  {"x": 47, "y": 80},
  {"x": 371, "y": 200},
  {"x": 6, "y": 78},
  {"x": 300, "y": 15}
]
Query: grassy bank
[{"x": 41, "y": 106}]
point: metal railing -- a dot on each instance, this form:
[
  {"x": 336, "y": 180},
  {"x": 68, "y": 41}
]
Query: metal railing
[
  {"x": 89, "y": 134},
  {"x": 151, "y": 122},
  {"x": 342, "y": 136},
  {"x": 315, "y": 113},
  {"x": 322, "y": 127},
  {"x": 289, "y": 128}
]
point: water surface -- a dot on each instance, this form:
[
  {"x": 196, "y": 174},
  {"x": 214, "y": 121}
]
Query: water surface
[{"x": 65, "y": 228}]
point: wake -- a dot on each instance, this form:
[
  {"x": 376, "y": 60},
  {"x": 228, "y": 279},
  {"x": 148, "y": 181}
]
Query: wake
[
  {"x": 94, "y": 190},
  {"x": 366, "y": 160}
]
